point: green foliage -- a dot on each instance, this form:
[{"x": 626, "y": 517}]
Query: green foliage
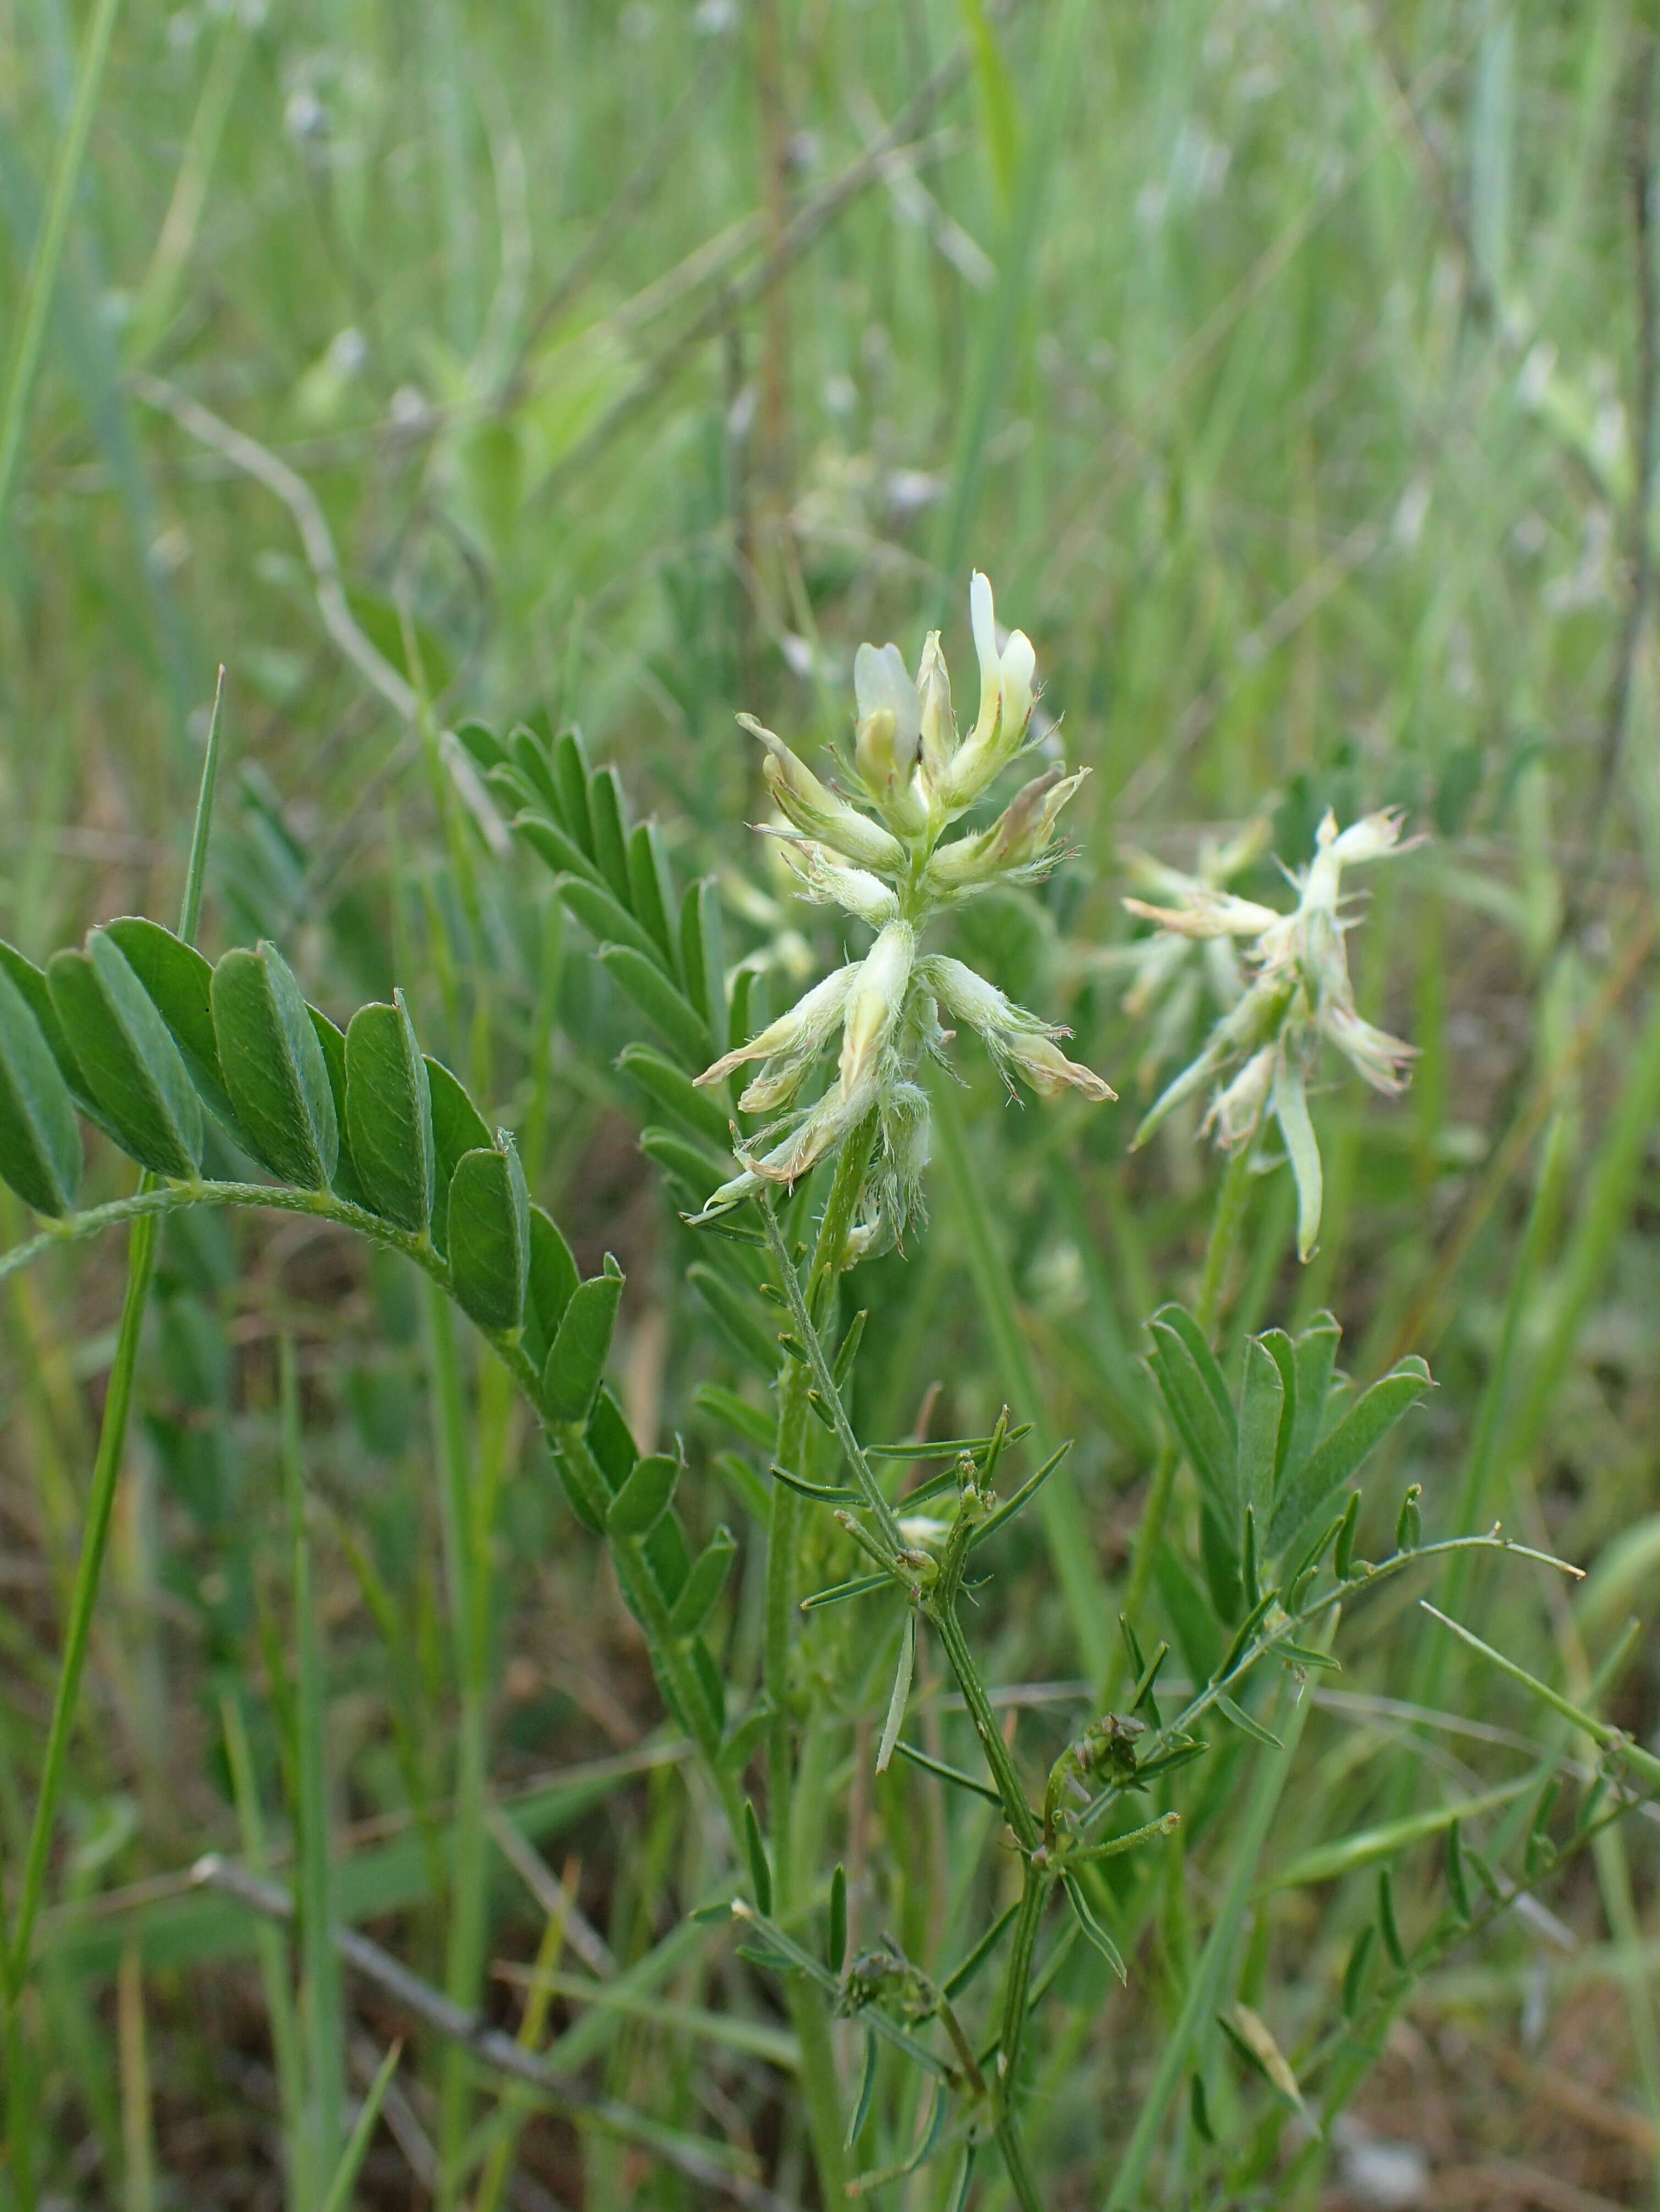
[{"x": 1311, "y": 493}]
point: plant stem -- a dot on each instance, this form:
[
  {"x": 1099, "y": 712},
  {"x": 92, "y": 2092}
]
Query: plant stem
[
  {"x": 321, "y": 2003},
  {"x": 1016, "y": 1810},
  {"x": 465, "y": 1952},
  {"x": 808, "y": 2011}
]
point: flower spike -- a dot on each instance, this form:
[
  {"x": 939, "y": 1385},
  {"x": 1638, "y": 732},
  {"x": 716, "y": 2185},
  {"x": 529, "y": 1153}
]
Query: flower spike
[
  {"x": 880, "y": 853},
  {"x": 1261, "y": 1052}
]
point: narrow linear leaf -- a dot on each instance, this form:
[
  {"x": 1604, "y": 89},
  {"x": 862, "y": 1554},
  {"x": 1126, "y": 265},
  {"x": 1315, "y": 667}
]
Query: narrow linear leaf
[
  {"x": 671, "y": 1088},
  {"x": 900, "y": 1698},
  {"x": 1243, "y": 1721},
  {"x": 1364, "y": 1426},
  {"x": 862, "y": 2103},
  {"x": 838, "y": 1593},
  {"x": 1261, "y": 1422},
  {"x": 835, "y": 1931},
  {"x": 951, "y": 1774},
  {"x": 651, "y": 889},
  {"x": 1093, "y": 1932},
  {"x": 1022, "y": 1497},
  {"x": 608, "y": 813},
  {"x": 571, "y": 776},
  {"x": 659, "y": 1001},
  {"x": 755, "y": 1852}
]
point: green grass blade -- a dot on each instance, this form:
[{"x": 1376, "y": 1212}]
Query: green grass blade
[{"x": 41, "y": 283}]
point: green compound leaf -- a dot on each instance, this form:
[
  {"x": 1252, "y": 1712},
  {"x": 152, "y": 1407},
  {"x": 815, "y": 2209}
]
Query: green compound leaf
[
  {"x": 739, "y": 1323},
  {"x": 180, "y": 982},
  {"x": 705, "y": 1583},
  {"x": 702, "y": 957},
  {"x": 333, "y": 1042},
  {"x": 274, "y": 1067},
  {"x": 577, "y": 1359},
  {"x": 389, "y": 1115},
  {"x": 659, "y": 1001},
  {"x": 570, "y": 776},
  {"x": 457, "y": 1128},
  {"x": 489, "y": 1224},
  {"x": 553, "y": 1280},
  {"x": 1261, "y": 1429},
  {"x": 1371, "y": 1418},
  {"x": 651, "y": 887},
  {"x": 130, "y": 1064},
  {"x": 39, "y": 1137},
  {"x": 644, "y": 1498},
  {"x": 1191, "y": 1385},
  {"x": 669, "y": 1087},
  {"x": 609, "y": 815},
  {"x": 1314, "y": 1355},
  {"x": 31, "y": 985}
]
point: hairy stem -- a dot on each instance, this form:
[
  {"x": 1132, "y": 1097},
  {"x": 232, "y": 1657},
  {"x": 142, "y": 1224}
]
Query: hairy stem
[{"x": 808, "y": 2012}]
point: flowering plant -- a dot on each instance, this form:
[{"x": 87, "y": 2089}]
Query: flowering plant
[
  {"x": 877, "y": 847},
  {"x": 1266, "y": 1044}
]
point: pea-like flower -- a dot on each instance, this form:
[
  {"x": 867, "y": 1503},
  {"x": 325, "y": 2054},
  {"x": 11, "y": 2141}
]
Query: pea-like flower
[
  {"x": 1170, "y": 980},
  {"x": 877, "y": 847},
  {"x": 1261, "y": 1052}
]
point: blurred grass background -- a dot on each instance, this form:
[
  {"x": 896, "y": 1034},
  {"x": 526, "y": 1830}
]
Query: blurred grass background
[{"x": 1292, "y": 370}]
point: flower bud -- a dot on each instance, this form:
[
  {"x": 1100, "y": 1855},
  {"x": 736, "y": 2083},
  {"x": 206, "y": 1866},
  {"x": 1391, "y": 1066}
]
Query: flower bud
[
  {"x": 1236, "y": 1112},
  {"x": 1380, "y": 1059},
  {"x": 806, "y": 1028},
  {"x": 855, "y": 890},
  {"x": 887, "y": 735},
  {"x": 1017, "y": 844},
  {"x": 1006, "y": 697},
  {"x": 813, "y": 807},
  {"x": 874, "y": 1004},
  {"x": 938, "y": 735},
  {"x": 1016, "y": 1039},
  {"x": 1046, "y": 1068}
]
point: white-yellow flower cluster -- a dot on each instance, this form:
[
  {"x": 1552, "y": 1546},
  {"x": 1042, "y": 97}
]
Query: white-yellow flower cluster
[
  {"x": 1260, "y": 1054},
  {"x": 877, "y": 847}
]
